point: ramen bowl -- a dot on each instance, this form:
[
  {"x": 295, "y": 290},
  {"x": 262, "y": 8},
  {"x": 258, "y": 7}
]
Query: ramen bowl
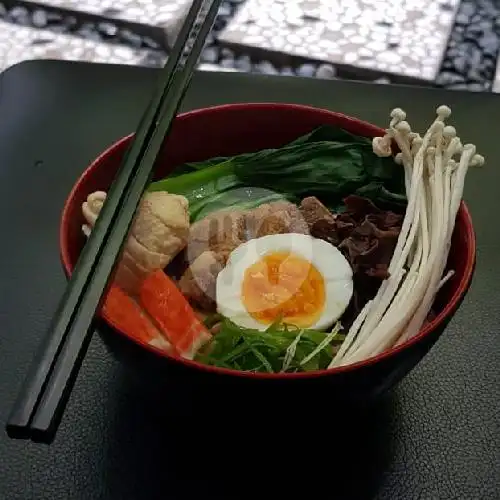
[{"x": 240, "y": 128}]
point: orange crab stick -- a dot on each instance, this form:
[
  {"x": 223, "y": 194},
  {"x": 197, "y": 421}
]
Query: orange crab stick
[
  {"x": 126, "y": 315},
  {"x": 170, "y": 310}
]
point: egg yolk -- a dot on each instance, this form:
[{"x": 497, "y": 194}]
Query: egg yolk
[{"x": 283, "y": 285}]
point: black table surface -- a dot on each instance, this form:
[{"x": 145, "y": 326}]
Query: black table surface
[{"x": 436, "y": 436}]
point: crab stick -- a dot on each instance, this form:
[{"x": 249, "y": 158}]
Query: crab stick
[
  {"x": 172, "y": 314},
  {"x": 126, "y": 315}
]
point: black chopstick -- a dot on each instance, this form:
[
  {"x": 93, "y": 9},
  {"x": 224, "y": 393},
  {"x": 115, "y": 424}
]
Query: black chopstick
[{"x": 39, "y": 407}]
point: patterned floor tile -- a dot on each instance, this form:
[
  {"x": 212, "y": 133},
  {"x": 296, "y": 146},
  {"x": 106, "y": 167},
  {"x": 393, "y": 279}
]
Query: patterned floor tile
[
  {"x": 496, "y": 82},
  {"x": 152, "y": 15},
  {"x": 19, "y": 43},
  {"x": 216, "y": 67},
  {"x": 393, "y": 37}
]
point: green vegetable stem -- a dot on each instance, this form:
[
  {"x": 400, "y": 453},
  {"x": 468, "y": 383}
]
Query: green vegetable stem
[
  {"x": 280, "y": 348},
  {"x": 329, "y": 163}
]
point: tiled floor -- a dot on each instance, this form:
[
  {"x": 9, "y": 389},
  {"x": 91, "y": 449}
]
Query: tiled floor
[
  {"x": 377, "y": 40},
  {"x": 399, "y": 37},
  {"x": 156, "y": 16},
  {"x": 19, "y": 43},
  {"x": 496, "y": 82}
]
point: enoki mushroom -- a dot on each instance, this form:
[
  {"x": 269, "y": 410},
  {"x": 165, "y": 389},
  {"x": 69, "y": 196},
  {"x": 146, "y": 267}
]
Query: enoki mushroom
[{"x": 435, "y": 168}]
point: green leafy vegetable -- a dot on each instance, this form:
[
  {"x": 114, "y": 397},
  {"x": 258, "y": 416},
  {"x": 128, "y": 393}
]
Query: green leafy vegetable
[
  {"x": 322, "y": 345},
  {"x": 212, "y": 319},
  {"x": 290, "y": 351},
  {"x": 383, "y": 197},
  {"x": 214, "y": 187},
  {"x": 278, "y": 348},
  {"x": 329, "y": 163}
]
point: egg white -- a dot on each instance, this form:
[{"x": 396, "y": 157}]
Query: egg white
[{"x": 327, "y": 259}]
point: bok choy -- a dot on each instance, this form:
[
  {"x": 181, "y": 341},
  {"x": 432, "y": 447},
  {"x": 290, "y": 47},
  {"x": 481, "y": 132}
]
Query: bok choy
[{"x": 329, "y": 163}]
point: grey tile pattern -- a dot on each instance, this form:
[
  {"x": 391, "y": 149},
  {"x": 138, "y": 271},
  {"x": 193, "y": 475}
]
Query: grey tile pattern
[
  {"x": 473, "y": 47},
  {"x": 401, "y": 37},
  {"x": 163, "y": 15},
  {"x": 469, "y": 62},
  {"x": 216, "y": 67},
  {"x": 19, "y": 43},
  {"x": 496, "y": 82}
]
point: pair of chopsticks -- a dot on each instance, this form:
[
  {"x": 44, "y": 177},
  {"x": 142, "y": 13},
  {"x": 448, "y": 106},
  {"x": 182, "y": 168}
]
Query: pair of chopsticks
[{"x": 38, "y": 410}]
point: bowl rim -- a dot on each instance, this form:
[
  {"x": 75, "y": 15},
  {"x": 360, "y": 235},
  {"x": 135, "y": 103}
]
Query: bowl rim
[{"x": 445, "y": 313}]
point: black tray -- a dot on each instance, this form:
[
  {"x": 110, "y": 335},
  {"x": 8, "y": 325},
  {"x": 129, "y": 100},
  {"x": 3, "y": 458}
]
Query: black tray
[{"x": 124, "y": 436}]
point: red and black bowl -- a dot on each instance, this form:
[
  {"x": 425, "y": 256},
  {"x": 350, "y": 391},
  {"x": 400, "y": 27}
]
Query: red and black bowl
[{"x": 238, "y": 128}]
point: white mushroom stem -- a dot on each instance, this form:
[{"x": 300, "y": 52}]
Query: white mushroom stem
[
  {"x": 434, "y": 185},
  {"x": 446, "y": 278},
  {"x": 384, "y": 301},
  {"x": 404, "y": 309},
  {"x": 407, "y": 236},
  {"x": 389, "y": 286},
  {"x": 353, "y": 331},
  {"x": 442, "y": 249}
]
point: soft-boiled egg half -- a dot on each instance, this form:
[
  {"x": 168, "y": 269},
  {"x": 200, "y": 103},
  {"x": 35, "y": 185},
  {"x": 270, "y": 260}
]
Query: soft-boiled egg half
[{"x": 303, "y": 281}]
